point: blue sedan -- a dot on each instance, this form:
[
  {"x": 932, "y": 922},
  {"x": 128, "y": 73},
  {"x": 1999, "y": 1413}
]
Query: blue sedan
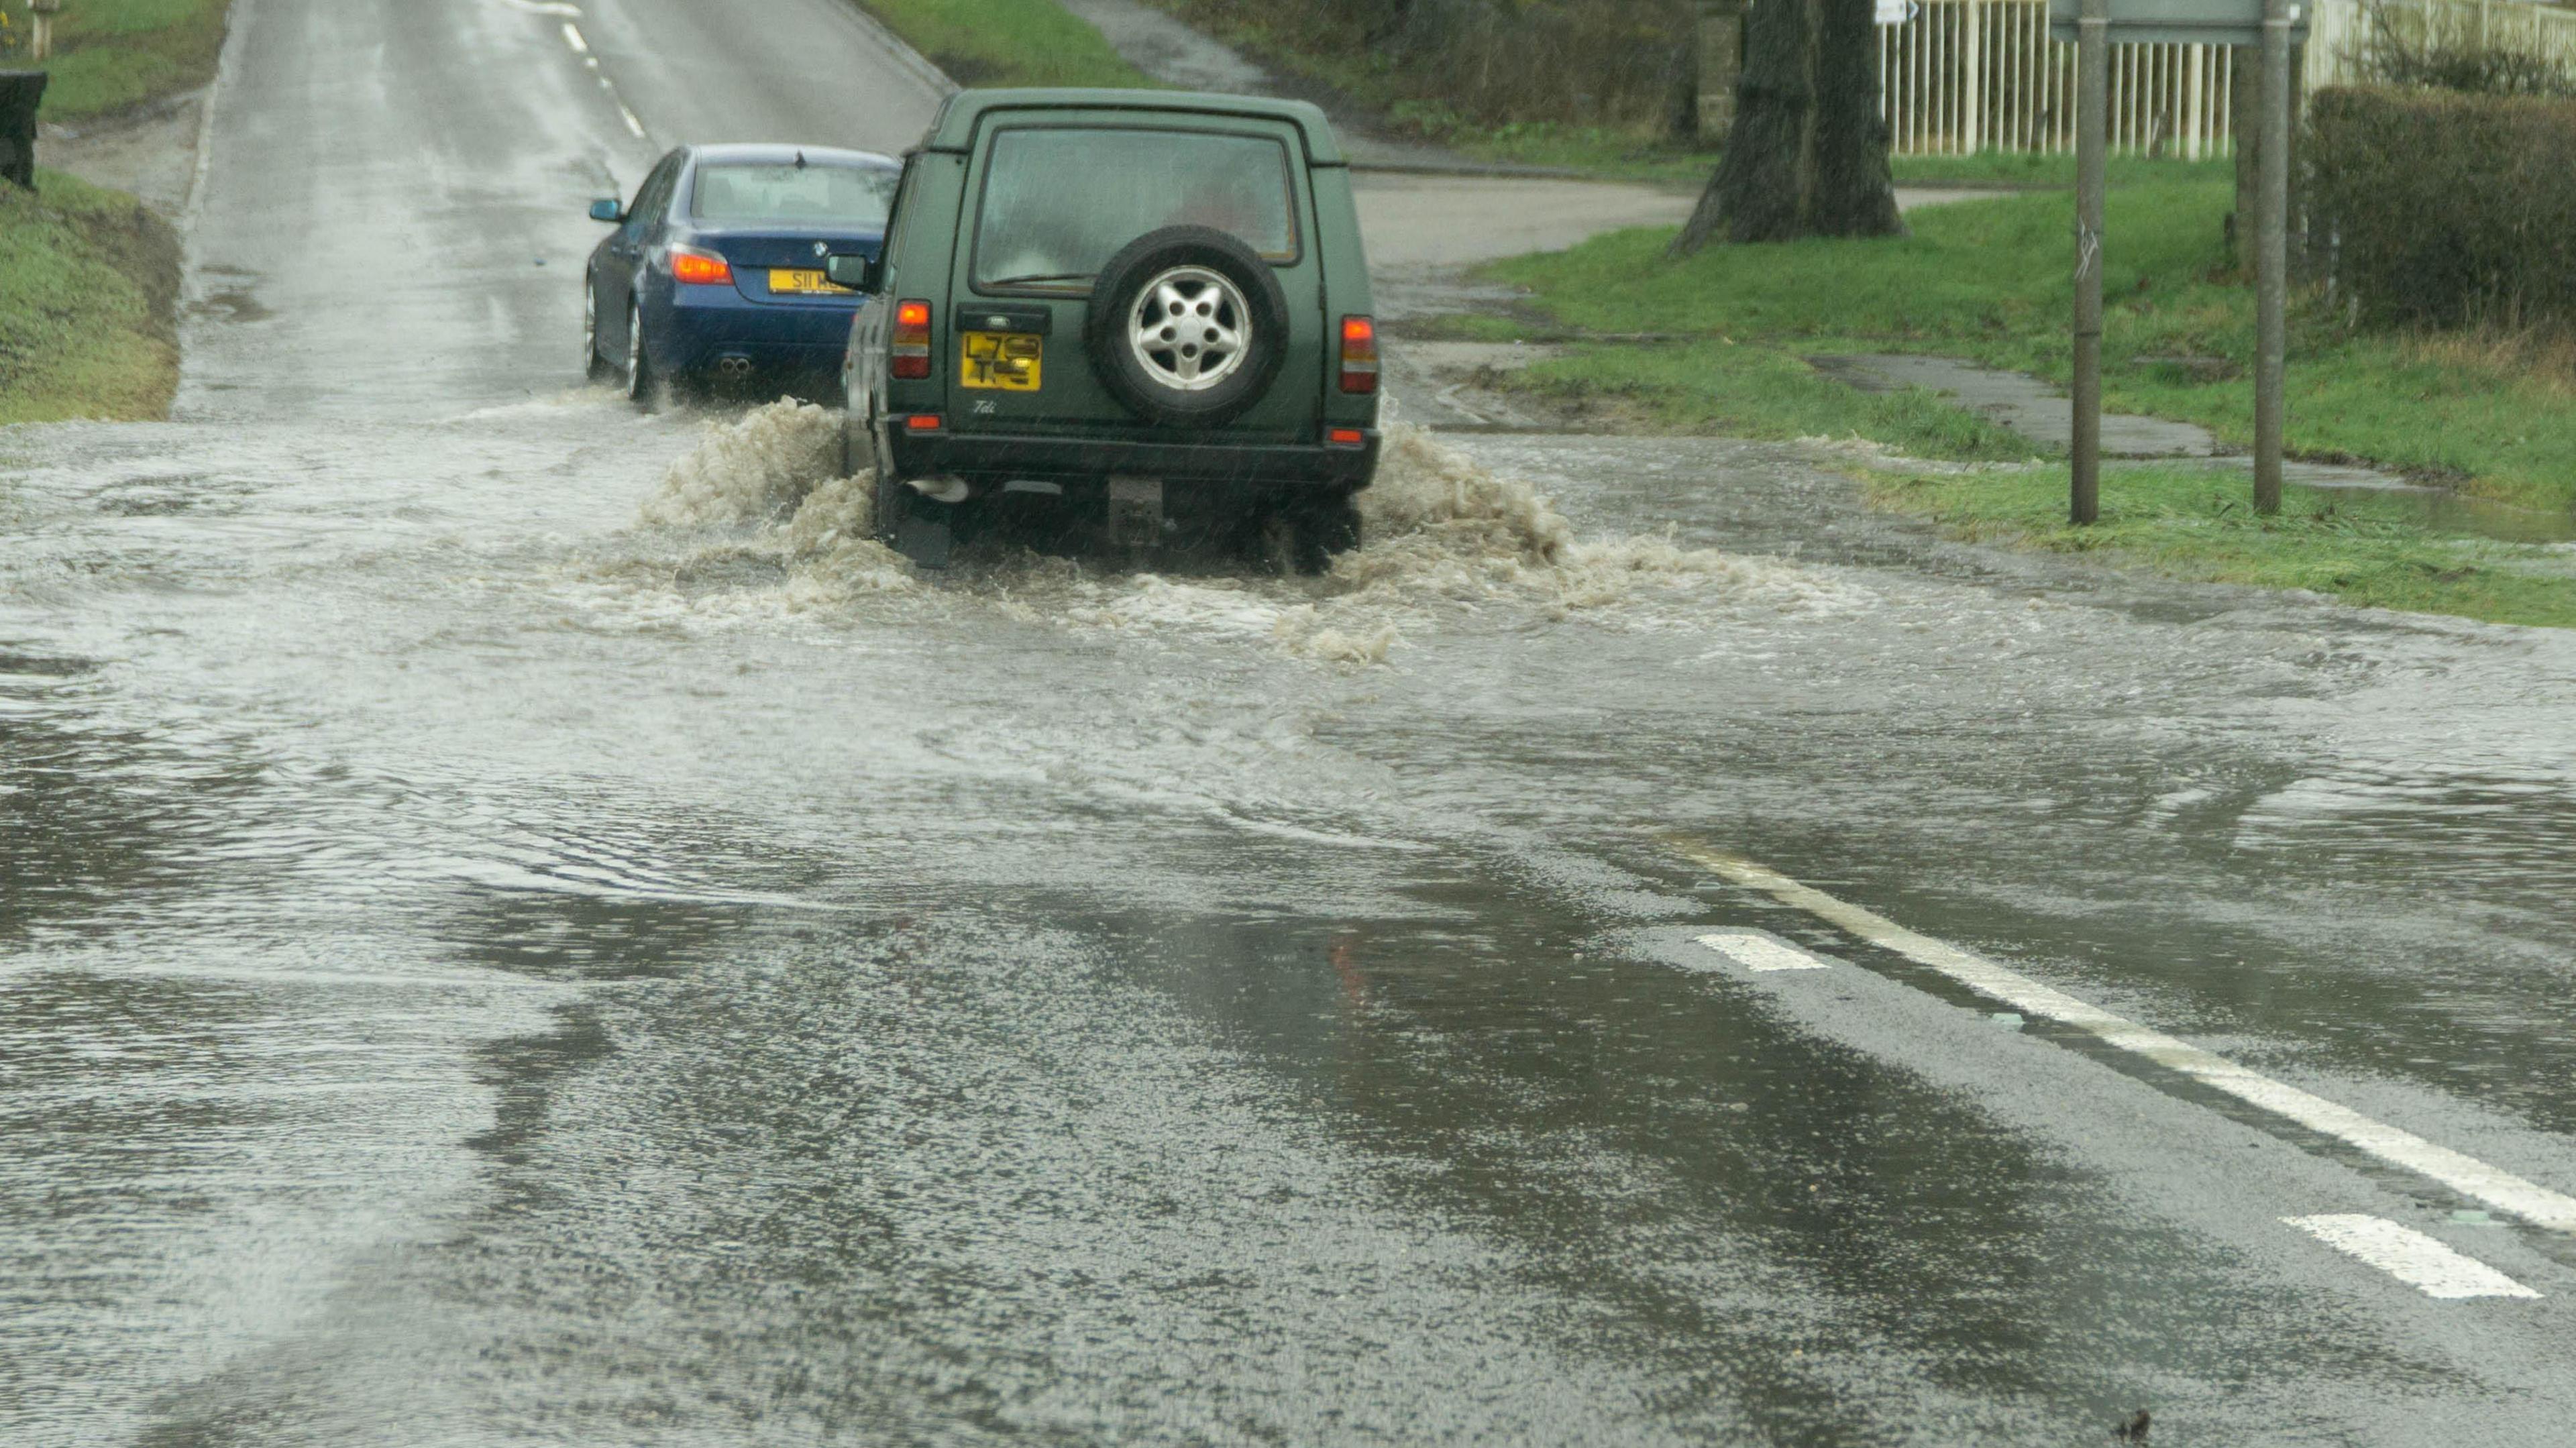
[{"x": 715, "y": 271}]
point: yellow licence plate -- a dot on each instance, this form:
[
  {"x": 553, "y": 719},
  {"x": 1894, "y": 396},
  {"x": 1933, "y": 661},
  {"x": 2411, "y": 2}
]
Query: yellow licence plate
[
  {"x": 1007, "y": 360},
  {"x": 800, "y": 279}
]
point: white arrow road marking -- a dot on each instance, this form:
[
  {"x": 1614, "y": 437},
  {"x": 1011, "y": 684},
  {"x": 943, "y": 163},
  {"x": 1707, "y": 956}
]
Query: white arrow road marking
[
  {"x": 2463, "y": 1173},
  {"x": 1760, "y": 952},
  {"x": 2409, "y": 1256}
]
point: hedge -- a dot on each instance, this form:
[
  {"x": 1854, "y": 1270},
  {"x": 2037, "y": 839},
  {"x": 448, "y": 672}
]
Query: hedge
[{"x": 2430, "y": 208}]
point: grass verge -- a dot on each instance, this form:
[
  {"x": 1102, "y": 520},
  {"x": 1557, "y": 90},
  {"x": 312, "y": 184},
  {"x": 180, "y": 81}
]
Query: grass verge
[
  {"x": 111, "y": 55},
  {"x": 88, "y": 278},
  {"x": 1008, "y": 42},
  {"x": 2193, "y": 523},
  {"x": 1988, "y": 280},
  {"x": 1757, "y": 392},
  {"x": 2015, "y": 171}
]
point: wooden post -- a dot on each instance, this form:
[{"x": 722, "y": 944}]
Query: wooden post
[
  {"x": 2092, "y": 138},
  {"x": 2271, "y": 257},
  {"x": 40, "y": 18},
  {"x": 1721, "y": 64}
]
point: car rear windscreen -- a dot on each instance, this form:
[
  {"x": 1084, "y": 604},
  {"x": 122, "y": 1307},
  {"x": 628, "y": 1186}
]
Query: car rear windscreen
[
  {"x": 811, "y": 195},
  {"x": 1060, "y": 201}
]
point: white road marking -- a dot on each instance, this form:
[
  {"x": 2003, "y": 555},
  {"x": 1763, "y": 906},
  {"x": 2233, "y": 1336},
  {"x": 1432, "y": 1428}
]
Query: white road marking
[
  {"x": 2464, "y": 1174},
  {"x": 632, "y": 124},
  {"x": 2409, "y": 1256},
  {"x": 543, "y": 7},
  {"x": 1760, "y": 952},
  {"x": 572, "y": 37}
]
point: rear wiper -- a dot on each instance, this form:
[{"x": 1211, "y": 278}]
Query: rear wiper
[{"x": 1049, "y": 277}]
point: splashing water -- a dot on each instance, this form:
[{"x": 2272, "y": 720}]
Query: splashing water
[
  {"x": 1441, "y": 529},
  {"x": 775, "y": 472},
  {"x": 749, "y": 470}
]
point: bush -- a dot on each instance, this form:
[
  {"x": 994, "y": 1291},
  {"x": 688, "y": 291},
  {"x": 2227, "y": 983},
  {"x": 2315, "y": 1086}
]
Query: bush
[
  {"x": 1451, "y": 64},
  {"x": 2462, "y": 48},
  {"x": 2447, "y": 210}
]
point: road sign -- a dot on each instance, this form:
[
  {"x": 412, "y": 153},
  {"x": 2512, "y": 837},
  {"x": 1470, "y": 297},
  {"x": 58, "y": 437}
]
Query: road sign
[
  {"x": 1897, "y": 12},
  {"x": 2095, "y": 25},
  {"x": 2178, "y": 22}
]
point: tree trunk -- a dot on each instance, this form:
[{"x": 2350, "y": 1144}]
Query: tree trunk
[{"x": 1808, "y": 152}]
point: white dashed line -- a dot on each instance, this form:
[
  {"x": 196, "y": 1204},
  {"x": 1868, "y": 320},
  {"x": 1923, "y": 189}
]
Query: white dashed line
[
  {"x": 632, "y": 124},
  {"x": 572, "y": 37},
  {"x": 2409, "y": 1256},
  {"x": 2464, "y": 1174},
  {"x": 1760, "y": 952}
]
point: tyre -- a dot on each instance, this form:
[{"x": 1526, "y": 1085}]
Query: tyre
[
  {"x": 1303, "y": 535},
  {"x": 1187, "y": 327},
  {"x": 640, "y": 381},
  {"x": 1322, "y": 530},
  {"x": 595, "y": 366}
]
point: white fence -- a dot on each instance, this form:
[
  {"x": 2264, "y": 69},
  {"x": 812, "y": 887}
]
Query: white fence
[{"x": 1972, "y": 75}]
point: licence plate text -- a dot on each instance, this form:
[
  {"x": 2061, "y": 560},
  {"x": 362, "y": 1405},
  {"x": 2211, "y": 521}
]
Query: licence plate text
[
  {"x": 802, "y": 279},
  {"x": 1005, "y": 360}
]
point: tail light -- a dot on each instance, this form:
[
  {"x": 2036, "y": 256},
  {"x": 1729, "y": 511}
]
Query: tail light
[
  {"x": 1359, "y": 354},
  {"x": 700, "y": 268},
  {"x": 911, "y": 342}
]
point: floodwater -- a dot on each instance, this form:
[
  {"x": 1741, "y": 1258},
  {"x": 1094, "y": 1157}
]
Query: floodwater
[
  {"x": 519, "y": 926},
  {"x": 525, "y": 929}
]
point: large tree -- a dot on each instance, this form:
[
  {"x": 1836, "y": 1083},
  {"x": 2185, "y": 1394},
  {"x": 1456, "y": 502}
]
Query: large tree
[{"x": 1807, "y": 154}]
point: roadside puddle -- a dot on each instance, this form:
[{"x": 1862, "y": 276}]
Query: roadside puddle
[{"x": 754, "y": 521}]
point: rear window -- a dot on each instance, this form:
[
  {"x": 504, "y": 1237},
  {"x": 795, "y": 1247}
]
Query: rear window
[
  {"x": 1059, "y": 202},
  {"x": 814, "y": 195}
]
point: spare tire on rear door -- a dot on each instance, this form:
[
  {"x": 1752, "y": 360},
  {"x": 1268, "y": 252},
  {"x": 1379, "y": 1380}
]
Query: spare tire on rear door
[{"x": 1187, "y": 327}]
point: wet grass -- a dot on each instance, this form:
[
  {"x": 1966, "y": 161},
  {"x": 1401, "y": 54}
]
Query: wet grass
[
  {"x": 2193, "y": 522},
  {"x": 1988, "y": 280},
  {"x": 87, "y": 281},
  {"x": 1008, "y": 42},
  {"x": 2034, "y": 172},
  {"x": 1758, "y": 392},
  {"x": 112, "y": 55}
]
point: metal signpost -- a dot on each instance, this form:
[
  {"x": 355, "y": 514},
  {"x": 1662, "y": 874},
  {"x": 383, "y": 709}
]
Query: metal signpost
[{"x": 2094, "y": 26}]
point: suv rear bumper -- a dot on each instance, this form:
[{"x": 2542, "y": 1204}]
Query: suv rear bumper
[{"x": 992, "y": 457}]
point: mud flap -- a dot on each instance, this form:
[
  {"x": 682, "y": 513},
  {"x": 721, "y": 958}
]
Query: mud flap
[
  {"x": 1135, "y": 512},
  {"x": 923, "y": 540}
]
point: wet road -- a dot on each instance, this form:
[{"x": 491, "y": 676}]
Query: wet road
[{"x": 503, "y": 941}]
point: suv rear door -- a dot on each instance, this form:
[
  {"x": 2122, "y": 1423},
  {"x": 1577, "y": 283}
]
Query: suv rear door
[{"x": 1051, "y": 195}]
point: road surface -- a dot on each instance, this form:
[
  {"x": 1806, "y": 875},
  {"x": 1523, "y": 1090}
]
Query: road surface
[{"x": 505, "y": 943}]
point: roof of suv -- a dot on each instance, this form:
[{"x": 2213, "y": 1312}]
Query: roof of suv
[{"x": 964, "y": 111}]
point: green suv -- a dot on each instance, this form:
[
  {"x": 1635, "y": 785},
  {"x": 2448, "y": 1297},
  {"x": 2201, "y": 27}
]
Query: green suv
[{"x": 1144, "y": 313}]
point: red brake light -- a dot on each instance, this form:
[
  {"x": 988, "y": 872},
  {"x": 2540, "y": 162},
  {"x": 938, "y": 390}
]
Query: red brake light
[
  {"x": 1359, "y": 354},
  {"x": 700, "y": 268},
  {"x": 910, "y": 344}
]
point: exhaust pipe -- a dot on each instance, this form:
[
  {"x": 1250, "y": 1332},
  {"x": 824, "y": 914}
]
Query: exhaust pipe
[{"x": 735, "y": 367}]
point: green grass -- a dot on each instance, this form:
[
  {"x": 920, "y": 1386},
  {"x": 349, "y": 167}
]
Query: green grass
[
  {"x": 1989, "y": 280},
  {"x": 87, "y": 277},
  {"x": 113, "y": 54},
  {"x": 2036, "y": 172},
  {"x": 2193, "y": 522},
  {"x": 1758, "y": 392},
  {"x": 1008, "y": 42}
]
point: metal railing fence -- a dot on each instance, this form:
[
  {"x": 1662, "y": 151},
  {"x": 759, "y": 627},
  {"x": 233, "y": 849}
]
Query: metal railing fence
[{"x": 1971, "y": 75}]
